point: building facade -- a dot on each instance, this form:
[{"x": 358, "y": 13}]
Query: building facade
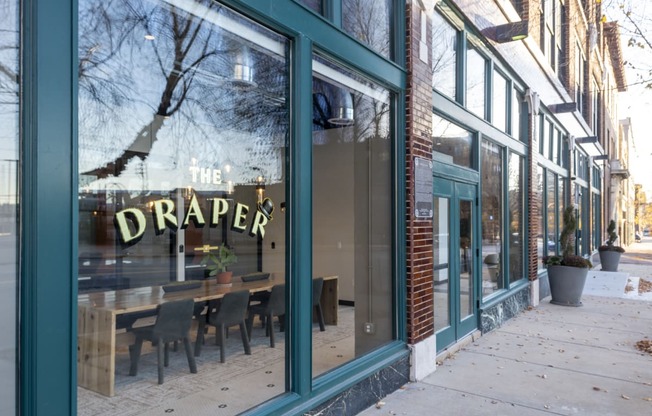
[{"x": 388, "y": 174}]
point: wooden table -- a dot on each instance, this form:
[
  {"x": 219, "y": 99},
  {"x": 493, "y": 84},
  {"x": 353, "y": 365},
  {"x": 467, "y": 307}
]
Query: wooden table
[{"x": 96, "y": 329}]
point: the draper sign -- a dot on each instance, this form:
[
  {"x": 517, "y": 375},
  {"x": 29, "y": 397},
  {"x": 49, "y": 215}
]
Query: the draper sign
[{"x": 132, "y": 223}]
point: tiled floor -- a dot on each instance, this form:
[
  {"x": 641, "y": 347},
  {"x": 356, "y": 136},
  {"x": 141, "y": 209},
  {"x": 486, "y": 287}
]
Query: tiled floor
[{"x": 217, "y": 389}]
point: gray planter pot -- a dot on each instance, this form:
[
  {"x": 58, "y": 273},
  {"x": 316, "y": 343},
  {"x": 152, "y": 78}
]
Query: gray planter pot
[
  {"x": 609, "y": 260},
  {"x": 567, "y": 284}
]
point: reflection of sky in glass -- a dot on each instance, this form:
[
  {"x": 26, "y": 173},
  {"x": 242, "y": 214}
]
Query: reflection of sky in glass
[
  {"x": 475, "y": 77},
  {"x": 159, "y": 89},
  {"x": 443, "y": 55},
  {"x": 499, "y": 107}
]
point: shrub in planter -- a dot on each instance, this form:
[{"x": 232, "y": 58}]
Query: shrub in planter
[
  {"x": 567, "y": 272},
  {"x": 610, "y": 253}
]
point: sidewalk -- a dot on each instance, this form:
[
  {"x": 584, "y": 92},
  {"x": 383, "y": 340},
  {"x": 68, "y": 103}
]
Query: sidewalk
[{"x": 552, "y": 359}]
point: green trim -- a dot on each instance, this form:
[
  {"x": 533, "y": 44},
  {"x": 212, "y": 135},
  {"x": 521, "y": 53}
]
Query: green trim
[
  {"x": 48, "y": 299},
  {"x": 400, "y": 238},
  {"x": 504, "y": 294},
  {"x": 299, "y": 355}
]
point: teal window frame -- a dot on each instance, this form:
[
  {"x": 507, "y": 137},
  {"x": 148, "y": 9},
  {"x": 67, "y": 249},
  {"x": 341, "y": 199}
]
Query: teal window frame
[{"x": 49, "y": 200}]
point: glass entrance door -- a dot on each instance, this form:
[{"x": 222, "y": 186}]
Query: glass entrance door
[{"x": 455, "y": 259}]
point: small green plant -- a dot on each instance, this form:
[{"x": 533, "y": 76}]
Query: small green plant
[
  {"x": 218, "y": 262},
  {"x": 609, "y": 246},
  {"x": 566, "y": 240}
]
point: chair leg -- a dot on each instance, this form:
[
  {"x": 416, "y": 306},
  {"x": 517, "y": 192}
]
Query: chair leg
[
  {"x": 166, "y": 349},
  {"x": 200, "y": 337},
  {"x": 270, "y": 328},
  {"x": 134, "y": 354},
  {"x": 320, "y": 317},
  {"x": 250, "y": 324},
  {"x": 222, "y": 331},
  {"x": 189, "y": 353},
  {"x": 245, "y": 338},
  {"x": 159, "y": 355}
]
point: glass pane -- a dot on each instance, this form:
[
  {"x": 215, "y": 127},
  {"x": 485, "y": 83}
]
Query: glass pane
[
  {"x": 352, "y": 211},
  {"x": 466, "y": 259},
  {"x": 315, "y": 5},
  {"x": 499, "y": 100},
  {"x": 517, "y": 114},
  {"x": 444, "y": 55},
  {"x": 537, "y": 197},
  {"x": 9, "y": 198},
  {"x": 552, "y": 230},
  {"x": 183, "y": 124},
  {"x": 441, "y": 244},
  {"x": 545, "y": 138},
  {"x": 517, "y": 242},
  {"x": 369, "y": 22},
  {"x": 492, "y": 221},
  {"x": 451, "y": 143},
  {"x": 475, "y": 81}
]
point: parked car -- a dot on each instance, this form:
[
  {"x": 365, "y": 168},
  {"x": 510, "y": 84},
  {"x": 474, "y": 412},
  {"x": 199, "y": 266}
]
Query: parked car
[{"x": 637, "y": 237}]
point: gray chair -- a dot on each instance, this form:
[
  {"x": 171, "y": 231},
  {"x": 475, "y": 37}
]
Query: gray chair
[
  {"x": 317, "y": 287},
  {"x": 231, "y": 311},
  {"x": 173, "y": 321},
  {"x": 267, "y": 310}
]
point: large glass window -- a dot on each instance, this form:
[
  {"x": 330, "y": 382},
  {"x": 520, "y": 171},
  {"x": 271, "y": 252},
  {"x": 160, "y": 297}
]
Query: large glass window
[
  {"x": 475, "y": 81},
  {"x": 444, "y": 55},
  {"x": 352, "y": 210},
  {"x": 517, "y": 240},
  {"x": 369, "y": 22},
  {"x": 517, "y": 115},
  {"x": 9, "y": 198},
  {"x": 183, "y": 131},
  {"x": 491, "y": 157},
  {"x": 440, "y": 251},
  {"x": 451, "y": 143},
  {"x": 316, "y": 5},
  {"x": 537, "y": 199},
  {"x": 552, "y": 210}
]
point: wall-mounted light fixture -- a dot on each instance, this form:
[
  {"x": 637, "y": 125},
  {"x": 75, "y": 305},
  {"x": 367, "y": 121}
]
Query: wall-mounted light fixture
[
  {"x": 508, "y": 32},
  {"x": 260, "y": 189},
  {"x": 562, "y": 108},
  {"x": 588, "y": 139}
]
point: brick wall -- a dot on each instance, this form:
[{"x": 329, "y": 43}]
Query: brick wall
[{"x": 418, "y": 141}]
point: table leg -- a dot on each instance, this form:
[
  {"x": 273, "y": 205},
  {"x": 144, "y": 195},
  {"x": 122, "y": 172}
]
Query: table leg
[
  {"x": 329, "y": 301},
  {"x": 96, "y": 350}
]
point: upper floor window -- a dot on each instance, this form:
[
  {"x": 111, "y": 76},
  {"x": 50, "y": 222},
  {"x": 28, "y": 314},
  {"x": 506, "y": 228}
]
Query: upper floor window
[
  {"x": 475, "y": 81},
  {"x": 444, "y": 55},
  {"x": 552, "y": 32},
  {"x": 369, "y": 22},
  {"x": 595, "y": 107},
  {"x": 579, "y": 78}
]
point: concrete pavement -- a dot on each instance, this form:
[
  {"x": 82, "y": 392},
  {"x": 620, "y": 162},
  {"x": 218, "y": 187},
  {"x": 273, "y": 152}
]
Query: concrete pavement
[{"x": 551, "y": 359}]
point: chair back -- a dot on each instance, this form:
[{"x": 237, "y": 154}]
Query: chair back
[
  {"x": 233, "y": 309},
  {"x": 317, "y": 286},
  {"x": 276, "y": 303},
  {"x": 173, "y": 320}
]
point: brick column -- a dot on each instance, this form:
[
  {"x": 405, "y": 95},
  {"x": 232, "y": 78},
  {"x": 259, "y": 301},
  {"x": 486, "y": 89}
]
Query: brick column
[{"x": 418, "y": 135}]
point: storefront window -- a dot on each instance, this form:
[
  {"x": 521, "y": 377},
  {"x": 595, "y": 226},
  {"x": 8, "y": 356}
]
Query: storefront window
[
  {"x": 369, "y": 22},
  {"x": 444, "y": 55},
  {"x": 183, "y": 131},
  {"x": 551, "y": 203},
  {"x": 352, "y": 212},
  {"x": 492, "y": 218},
  {"x": 9, "y": 200},
  {"x": 475, "y": 81},
  {"x": 451, "y": 143},
  {"x": 517, "y": 241},
  {"x": 537, "y": 199}
]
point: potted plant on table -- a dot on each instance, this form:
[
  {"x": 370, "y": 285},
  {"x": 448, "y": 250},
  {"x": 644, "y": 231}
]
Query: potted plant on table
[
  {"x": 567, "y": 272},
  {"x": 610, "y": 253},
  {"x": 216, "y": 264}
]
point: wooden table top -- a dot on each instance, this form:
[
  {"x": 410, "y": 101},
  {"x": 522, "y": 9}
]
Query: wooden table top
[{"x": 147, "y": 298}]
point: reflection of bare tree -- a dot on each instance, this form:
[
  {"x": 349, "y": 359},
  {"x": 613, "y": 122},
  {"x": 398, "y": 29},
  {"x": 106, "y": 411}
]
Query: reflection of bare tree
[
  {"x": 443, "y": 55},
  {"x": 368, "y": 21},
  {"x": 180, "y": 63},
  {"x": 8, "y": 57}
]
